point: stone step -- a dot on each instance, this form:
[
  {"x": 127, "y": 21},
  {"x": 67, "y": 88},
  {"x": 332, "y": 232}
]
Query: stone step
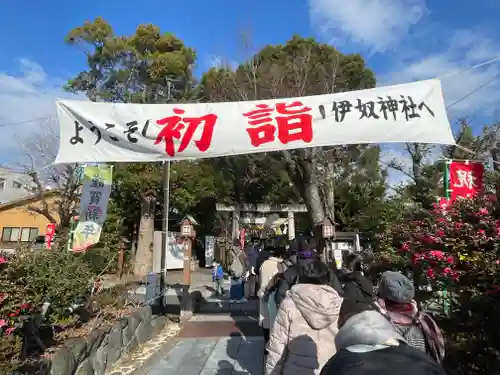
[
  {"x": 210, "y": 318},
  {"x": 221, "y": 306},
  {"x": 235, "y": 327}
]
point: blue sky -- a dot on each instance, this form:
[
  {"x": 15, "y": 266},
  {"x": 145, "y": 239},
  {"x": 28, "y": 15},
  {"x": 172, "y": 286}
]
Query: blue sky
[{"x": 402, "y": 40}]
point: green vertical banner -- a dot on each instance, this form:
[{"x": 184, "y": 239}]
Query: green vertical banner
[
  {"x": 93, "y": 206},
  {"x": 447, "y": 194},
  {"x": 446, "y": 179}
]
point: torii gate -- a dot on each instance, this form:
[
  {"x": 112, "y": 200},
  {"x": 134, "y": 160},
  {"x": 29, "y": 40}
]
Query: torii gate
[{"x": 237, "y": 209}]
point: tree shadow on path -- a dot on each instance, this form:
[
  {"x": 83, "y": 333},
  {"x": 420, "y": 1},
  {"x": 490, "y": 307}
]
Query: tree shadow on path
[{"x": 246, "y": 356}]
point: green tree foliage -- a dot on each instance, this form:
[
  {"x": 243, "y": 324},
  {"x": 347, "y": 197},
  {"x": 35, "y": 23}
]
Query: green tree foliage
[
  {"x": 194, "y": 181},
  {"x": 359, "y": 189},
  {"x": 255, "y": 178},
  {"x": 134, "y": 68},
  {"x": 146, "y": 67},
  {"x": 423, "y": 176}
]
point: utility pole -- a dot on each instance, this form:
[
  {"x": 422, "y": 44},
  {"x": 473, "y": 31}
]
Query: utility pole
[
  {"x": 166, "y": 209},
  {"x": 495, "y": 155}
]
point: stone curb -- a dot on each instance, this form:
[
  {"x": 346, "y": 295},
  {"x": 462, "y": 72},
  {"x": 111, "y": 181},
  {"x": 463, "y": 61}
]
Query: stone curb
[{"x": 102, "y": 348}]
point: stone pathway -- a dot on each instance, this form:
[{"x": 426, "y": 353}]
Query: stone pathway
[{"x": 214, "y": 345}]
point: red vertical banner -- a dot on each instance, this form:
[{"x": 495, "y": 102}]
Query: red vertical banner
[
  {"x": 50, "y": 231},
  {"x": 242, "y": 238},
  {"x": 466, "y": 178}
]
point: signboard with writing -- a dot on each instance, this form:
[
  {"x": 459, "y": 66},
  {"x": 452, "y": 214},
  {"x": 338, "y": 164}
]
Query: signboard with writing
[
  {"x": 124, "y": 132},
  {"x": 93, "y": 206},
  {"x": 209, "y": 250}
]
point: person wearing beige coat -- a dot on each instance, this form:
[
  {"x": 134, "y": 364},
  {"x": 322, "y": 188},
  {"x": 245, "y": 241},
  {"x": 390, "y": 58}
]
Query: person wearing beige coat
[
  {"x": 302, "y": 338},
  {"x": 268, "y": 270}
]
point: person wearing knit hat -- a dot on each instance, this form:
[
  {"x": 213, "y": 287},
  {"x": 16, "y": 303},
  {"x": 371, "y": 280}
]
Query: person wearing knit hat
[
  {"x": 396, "y": 287},
  {"x": 395, "y": 301}
]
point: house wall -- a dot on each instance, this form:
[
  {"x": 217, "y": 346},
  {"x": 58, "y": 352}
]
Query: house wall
[
  {"x": 19, "y": 216},
  {"x": 14, "y": 185}
]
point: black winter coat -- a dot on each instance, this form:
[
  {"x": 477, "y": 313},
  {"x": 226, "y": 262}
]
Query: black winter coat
[
  {"x": 396, "y": 360},
  {"x": 358, "y": 296},
  {"x": 285, "y": 280}
]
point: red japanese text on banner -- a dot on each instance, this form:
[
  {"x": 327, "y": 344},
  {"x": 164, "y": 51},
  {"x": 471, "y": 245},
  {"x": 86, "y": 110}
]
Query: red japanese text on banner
[
  {"x": 466, "y": 179},
  {"x": 125, "y": 132}
]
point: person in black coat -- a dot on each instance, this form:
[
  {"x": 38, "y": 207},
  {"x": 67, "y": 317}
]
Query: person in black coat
[
  {"x": 358, "y": 292},
  {"x": 286, "y": 279},
  {"x": 283, "y": 281},
  {"x": 368, "y": 344}
]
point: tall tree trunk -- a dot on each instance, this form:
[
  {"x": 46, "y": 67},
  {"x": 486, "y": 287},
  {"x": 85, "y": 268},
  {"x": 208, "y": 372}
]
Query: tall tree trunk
[
  {"x": 312, "y": 199},
  {"x": 143, "y": 263},
  {"x": 330, "y": 192},
  {"x": 302, "y": 172}
]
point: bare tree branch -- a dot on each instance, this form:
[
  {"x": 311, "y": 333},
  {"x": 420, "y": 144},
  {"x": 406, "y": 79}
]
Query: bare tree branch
[{"x": 40, "y": 149}]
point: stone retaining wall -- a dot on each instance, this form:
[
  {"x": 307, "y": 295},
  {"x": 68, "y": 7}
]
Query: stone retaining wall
[{"x": 103, "y": 347}]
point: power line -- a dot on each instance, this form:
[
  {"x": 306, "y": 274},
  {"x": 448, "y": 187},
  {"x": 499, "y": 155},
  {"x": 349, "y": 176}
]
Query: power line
[
  {"x": 465, "y": 70},
  {"x": 27, "y": 121},
  {"x": 474, "y": 91}
]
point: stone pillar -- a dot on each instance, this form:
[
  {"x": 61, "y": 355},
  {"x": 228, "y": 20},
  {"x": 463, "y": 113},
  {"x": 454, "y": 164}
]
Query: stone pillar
[{"x": 291, "y": 225}]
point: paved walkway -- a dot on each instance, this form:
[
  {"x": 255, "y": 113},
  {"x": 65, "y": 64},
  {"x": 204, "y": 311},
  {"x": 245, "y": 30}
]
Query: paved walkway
[{"x": 214, "y": 345}]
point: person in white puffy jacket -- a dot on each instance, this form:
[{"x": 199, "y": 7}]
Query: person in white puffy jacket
[{"x": 302, "y": 338}]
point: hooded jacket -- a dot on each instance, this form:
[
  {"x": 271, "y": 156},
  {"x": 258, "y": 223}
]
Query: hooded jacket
[
  {"x": 302, "y": 338},
  {"x": 368, "y": 344},
  {"x": 358, "y": 296}
]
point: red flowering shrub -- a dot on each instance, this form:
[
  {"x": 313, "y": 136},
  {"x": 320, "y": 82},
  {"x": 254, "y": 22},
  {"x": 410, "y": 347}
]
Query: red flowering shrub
[
  {"x": 12, "y": 313},
  {"x": 29, "y": 279},
  {"x": 458, "y": 247},
  {"x": 459, "y": 243}
]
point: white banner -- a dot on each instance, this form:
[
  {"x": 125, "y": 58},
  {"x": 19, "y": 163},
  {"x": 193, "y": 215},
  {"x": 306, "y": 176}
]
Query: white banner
[{"x": 107, "y": 132}]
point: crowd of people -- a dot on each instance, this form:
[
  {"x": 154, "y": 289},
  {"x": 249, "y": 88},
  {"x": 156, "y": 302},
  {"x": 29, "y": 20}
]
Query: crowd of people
[{"x": 320, "y": 320}]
